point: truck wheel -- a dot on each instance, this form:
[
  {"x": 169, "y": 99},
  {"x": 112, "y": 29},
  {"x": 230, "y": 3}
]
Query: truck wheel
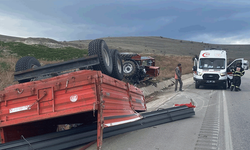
[
  {"x": 117, "y": 64},
  {"x": 100, "y": 48},
  {"x": 26, "y": 62},
  {"x": 196, "y": 84},
  {"x": 129, "y": 68},
  {"x": 125, "y": 56}
]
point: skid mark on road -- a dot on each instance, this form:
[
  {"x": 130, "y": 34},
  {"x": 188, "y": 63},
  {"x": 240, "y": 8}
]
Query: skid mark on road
[{"x": 208, "y": 137}]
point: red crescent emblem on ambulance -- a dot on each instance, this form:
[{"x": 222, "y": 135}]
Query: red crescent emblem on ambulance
[{"x": 205, "y": 54}]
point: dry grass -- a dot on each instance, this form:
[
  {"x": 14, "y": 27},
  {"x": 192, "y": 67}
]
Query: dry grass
[{"x": 7, "y": 74}]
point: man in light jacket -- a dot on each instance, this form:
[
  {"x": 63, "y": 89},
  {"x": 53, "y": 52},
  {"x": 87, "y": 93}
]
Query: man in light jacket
[{"x": 178, "y": 77}]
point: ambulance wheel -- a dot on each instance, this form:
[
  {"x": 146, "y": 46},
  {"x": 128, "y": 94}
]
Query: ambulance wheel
[
  {"x": 100, "y": 48},
  {"x": 196, "y": 84}
]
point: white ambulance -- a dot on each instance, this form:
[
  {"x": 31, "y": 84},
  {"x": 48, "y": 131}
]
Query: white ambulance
[{"x": 211, "y": 68}]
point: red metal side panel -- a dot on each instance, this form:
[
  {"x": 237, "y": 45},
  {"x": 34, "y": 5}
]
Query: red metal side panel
[
  {"x": 117, "y": 104},
  {"x": 49, "y": 98},
  {"x": 138, "y": 99}
]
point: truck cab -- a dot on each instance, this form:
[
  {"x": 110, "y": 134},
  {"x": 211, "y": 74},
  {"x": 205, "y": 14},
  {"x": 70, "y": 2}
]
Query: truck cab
[{"x": 211, "y": 68}]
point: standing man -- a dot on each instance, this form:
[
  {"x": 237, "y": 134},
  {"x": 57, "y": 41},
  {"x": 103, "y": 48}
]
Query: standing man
[
  {"x": 238, "y": 72},
  {"x": 178, "y": 77}
]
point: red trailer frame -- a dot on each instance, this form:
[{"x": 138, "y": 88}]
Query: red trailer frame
[{"x": 86, "y": 96}]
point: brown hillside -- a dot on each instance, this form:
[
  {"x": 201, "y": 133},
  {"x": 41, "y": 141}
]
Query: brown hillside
[{"x": 151, "y": 44}]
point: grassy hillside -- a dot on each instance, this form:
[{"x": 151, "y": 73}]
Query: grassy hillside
[{"x": 40, "y": 51}]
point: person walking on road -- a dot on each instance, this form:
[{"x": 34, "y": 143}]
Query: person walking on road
[
  {"x": 177, "y": 77},
  {"x": 238, "y": 72}
]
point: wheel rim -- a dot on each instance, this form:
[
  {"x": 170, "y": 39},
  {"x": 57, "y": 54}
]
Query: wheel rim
[
  {"x": 33, "y": 66},
  {"x": 105, "y": 55},
  {"x": 127, "y": 68}
]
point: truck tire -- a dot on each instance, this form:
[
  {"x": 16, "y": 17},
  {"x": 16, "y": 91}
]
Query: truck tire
[
  {"x": 117, "y": 64},
  {"x": 196, "y": 84},
  {"x": 129, "y": 68},
  {"x": 26, "y": 62},
  {"x": 100, "y": 48},
  {"x": 125, "y": 56}
]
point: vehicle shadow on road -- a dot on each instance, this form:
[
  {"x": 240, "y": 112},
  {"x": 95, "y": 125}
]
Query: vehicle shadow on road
[{"x": 211, "y": 87}]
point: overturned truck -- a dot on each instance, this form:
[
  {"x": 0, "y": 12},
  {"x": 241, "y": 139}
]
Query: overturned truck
[{"x": 85, "y": 91}]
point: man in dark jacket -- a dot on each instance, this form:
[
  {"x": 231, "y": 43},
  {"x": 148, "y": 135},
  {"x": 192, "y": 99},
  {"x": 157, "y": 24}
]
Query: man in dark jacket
[
  {"x": 238, "y": 72},
  {"x": 177, "y": 77}
]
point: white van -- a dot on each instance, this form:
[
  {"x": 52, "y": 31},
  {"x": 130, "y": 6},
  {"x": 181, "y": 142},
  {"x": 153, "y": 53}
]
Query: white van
[{"x": 211, "y": 68}]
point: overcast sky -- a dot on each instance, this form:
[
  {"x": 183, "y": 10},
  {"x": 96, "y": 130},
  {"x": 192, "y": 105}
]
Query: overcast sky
[{"x": 209, "y": 21}]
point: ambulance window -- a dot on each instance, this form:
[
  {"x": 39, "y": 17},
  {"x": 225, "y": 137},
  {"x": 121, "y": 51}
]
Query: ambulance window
[
  {"x": 233, "y": 65},
  {"x": 209, "y": 63}
]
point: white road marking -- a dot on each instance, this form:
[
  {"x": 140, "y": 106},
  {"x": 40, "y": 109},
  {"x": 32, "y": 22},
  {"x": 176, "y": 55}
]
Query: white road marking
[{"x": 228, "y": 138}]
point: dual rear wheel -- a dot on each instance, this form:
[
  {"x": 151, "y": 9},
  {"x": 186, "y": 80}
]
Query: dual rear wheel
[{"x": 110, "y": 60}]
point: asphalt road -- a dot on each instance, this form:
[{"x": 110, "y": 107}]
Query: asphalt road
[
  {"x": 221, "y": 122},
  {"x": 239, "y": 109}
]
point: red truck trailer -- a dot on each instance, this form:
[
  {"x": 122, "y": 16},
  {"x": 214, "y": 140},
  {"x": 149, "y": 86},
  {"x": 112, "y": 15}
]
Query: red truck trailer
[{"x": 48, "y": 96}]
